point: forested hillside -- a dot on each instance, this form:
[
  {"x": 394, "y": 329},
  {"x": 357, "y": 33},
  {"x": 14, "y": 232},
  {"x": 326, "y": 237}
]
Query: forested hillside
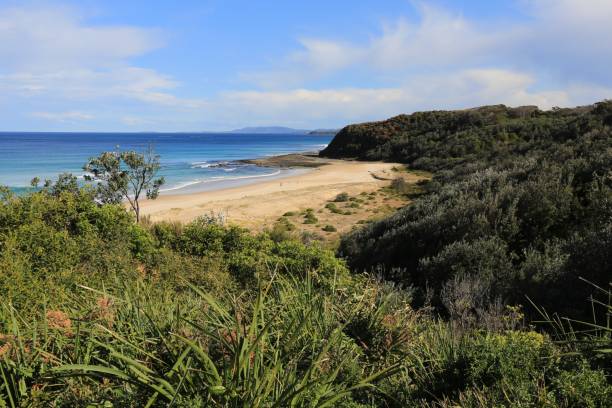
[
  {"x": 519, "y": 210},
  {"x": 443, "y": 139}
]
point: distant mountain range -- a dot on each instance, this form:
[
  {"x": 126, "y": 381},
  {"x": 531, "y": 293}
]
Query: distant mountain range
[{"x": 283, "y": 130}]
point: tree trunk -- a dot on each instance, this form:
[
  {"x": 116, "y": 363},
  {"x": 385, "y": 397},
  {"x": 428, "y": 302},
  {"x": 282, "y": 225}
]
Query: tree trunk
[{"x": 137, "y": 211}]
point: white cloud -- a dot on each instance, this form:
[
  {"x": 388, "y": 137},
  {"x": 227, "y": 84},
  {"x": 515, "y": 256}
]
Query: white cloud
[
  {"x": 569, "y": 39},
  {"x": 63, "y": 117},
  {"x": 326, "y": 56},
  {"x": 595, "y": 13},
  {"x": 39, "y": 39},
  {"x": 562, "y": 39},
  {"x": 333, "y": 107},
  {"x": 127, "y": 82},
  {"x": 136, "y": 121},
  {"x": 54, "y": 53},
  {"x": 558, "y": 56},
  {"x": 439, "y": 38}
]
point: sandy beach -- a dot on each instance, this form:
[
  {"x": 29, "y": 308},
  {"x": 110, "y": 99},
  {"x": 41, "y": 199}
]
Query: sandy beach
[{"x": 260, "y": 204}]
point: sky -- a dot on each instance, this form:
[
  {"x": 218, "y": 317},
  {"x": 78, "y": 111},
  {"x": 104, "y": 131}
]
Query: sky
[{"x": 207, "y": 65}]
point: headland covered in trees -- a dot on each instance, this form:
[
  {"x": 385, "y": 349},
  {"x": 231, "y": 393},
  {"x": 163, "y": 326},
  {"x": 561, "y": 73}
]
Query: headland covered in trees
[{"x": 490, "y": 286}]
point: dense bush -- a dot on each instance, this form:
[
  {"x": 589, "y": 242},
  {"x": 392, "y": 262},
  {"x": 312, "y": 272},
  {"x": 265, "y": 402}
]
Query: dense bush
[
  {"x": 97, "y": 310},
  {"x": 50, "y": 242},
  {"x": 520, "y": 200}
]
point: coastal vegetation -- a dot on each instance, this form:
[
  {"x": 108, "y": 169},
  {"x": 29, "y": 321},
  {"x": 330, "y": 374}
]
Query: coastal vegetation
[
  {"x": 518, "y": 206},
  {"x": 490, "y": 287},
  {"x": 125, "y": 176}
]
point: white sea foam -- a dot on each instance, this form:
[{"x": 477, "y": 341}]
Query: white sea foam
[
  {"x": 206, "y": 165},
  {"x": 218, "y": 178},
  {"x": 82, "y": 176},
  {"x": 200, "y": 165},
  {"x": 181, "y": 185}
]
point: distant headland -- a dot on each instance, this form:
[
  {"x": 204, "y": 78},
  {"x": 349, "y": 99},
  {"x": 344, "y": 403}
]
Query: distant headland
[{"x": 283, "y": 130}]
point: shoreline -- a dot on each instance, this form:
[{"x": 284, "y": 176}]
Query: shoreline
[
  {"x": 212, "y": 184},
  {"x": 260, "y": 203},
  {"x": 285, "y": 165}
]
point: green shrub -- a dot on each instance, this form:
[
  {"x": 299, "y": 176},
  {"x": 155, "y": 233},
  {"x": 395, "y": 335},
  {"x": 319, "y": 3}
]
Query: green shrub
[
  {"x": 342, "y": 197},
  {"x": 282, "y": 230},
  {"x": 400, "y": 186},
  {"x": 200, "y": 238},
  {"x": 310, "y": 218},
  {"x": 333, "y": 208},
  {"x": 166, "y": 233},
  {"x": 329, "y": 228},
  {"x": 582, "y": 387}
]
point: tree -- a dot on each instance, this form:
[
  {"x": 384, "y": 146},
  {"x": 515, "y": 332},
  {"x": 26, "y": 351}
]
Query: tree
[
  {"x": 125, "y": 176},
  {"x": 66, "y": 182}
]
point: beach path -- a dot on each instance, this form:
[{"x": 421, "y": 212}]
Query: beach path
[{"x": 259, "y": 205}]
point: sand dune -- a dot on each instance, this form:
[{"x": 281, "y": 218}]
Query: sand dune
[{"x": 261, "y": 204}]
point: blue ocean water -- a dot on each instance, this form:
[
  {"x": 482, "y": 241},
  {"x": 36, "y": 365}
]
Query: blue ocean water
[{"x": 190, "y": 161}]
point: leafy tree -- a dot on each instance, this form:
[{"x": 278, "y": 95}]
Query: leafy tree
[
  {"x": 65, "y": 182},
  {"x": 125, "y": 176}
]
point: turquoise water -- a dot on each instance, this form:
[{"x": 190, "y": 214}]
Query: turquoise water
[{"x": 190, "y": 161}]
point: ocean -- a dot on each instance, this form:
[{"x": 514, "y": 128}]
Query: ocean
[{"x": 190, "y": 161}]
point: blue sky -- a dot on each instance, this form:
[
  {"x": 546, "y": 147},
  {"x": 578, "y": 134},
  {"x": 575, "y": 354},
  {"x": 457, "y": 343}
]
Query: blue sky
[{"x": 94, "y": 65}]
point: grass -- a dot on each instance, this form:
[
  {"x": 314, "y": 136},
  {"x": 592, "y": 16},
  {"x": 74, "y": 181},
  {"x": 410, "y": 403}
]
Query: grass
[
  {"x": 287, "y": 343},
  {"x": 310, "y": 217},
  {"x": 282, "y": 349},
  {"x": 329, "y": 228},
  {"x": 592, "y": 338},
  {"x": 333, "y": 208}
]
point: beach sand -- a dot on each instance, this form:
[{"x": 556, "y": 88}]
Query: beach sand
[{"x": 259, "y": 205}]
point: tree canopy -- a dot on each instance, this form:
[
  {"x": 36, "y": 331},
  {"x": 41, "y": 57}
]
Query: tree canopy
[{"x": 125, "y": 175}]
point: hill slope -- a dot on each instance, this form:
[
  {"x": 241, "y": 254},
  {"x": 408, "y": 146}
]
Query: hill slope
[
  {"x": 521, "y": 204},
  {"x": 436, "y": 139}
]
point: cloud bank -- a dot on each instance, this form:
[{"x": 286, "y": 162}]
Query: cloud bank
[{"x": 557, "y": 54}]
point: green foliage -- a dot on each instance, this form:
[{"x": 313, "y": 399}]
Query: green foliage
[
  {"x": 334, "y": 208},
  {"x": 400, "y": 186},
  {"x": 282, "y": 230},
  {"x": 520, "y": 200},
  {"x": 342, "y": 197},
  {"x": 329, "y": 228},
  {"x": 518, "y": 209},
  {"x": 358, "y": 343},
  {"x": 124, "y": 176},
  {"x": 310, "y": 217}
]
